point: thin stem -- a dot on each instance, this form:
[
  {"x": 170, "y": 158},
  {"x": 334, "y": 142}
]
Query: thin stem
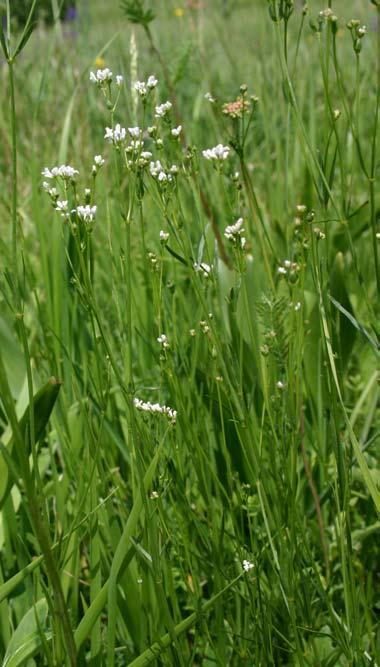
[
  {"x": 373, "y": 161},
  {"x": 14, "y": 164}
]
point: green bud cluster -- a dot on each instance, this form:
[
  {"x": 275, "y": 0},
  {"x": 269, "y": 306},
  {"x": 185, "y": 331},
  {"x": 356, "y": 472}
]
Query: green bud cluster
[{"x": 281, "y": 10}]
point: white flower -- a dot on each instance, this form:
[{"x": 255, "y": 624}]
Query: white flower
[
  {"x": 152, "y": 82},
  {"x": 163, "y": 340},
  {"x": 162, "y": 109},
  {"x": 146, "y": 155},
  {"x": 52, "y": 192},
  {"x": 281, "y": 270},
  {"x": 156, "y": 408},
  {"x": 134, "y": 132},
  {"x": 116, "y": 136},
  {"x": 297, "y": 306},
  {"x": 157, "y": 171},
  {"x": 155, "y": 168},
  {"x": 98, "y": 163},
  {"x": 203, "y": 268},
  {"x": 64, "y": 171},
  {"x": 176, "y": 131},
  {"x": 141, "y": 88},
  {"x": 164, "y": 236},
  {"x": 119, "y": 80},
  {"x": 62, "y": 208},
  {"x": 47, "y": 173},
  {"x": 86, "y": 213},
  {"x": 247, "y": 565},
  {"x": 233, "y": 232},
  {"x": 101, "y": 76},
  {"x": 67, "y": 172},
  {"x": 174, "y": 169},
  {"x": 210, "y": 98},
  {"x": 219, "y": 152},
  {"x": 280, "y": 385},
  {"x": 135, "y": 146}
]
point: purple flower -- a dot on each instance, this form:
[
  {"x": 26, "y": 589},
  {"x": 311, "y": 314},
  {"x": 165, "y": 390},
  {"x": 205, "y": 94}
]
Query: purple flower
[{"x": 71, "y": 13}]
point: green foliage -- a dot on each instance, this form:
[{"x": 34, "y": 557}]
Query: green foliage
[
  {"x": 136, "y": 12},
  {"x": 218, "y": 395},
  {"x": 43, "y": 11}
]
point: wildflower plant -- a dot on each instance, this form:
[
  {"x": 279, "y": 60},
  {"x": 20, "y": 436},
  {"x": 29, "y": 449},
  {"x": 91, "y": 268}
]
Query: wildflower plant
[{"x": 201, "y": 273}]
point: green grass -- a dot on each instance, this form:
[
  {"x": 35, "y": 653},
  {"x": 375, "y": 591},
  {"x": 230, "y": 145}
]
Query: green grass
[{"x": 122, "y": 534}]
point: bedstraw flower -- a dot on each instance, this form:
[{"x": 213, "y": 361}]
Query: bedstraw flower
[
  {"x": 162, "y": 109},
  {"x": 219, "y": 152},
  {"x": 156, "y": 408}
]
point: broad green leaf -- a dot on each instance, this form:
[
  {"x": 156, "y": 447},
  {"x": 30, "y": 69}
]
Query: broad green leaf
[
  {"x": 44, "y": 401},
  {"x": 26, "y": 639}
]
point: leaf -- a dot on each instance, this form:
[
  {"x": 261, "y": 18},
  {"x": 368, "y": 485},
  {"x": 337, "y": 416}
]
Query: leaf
[
  {"x": 355, "y": 323},
  {"x": 26, "y": 640},
  {"x": 134, "y": 9},
  {"x": 13, "y": 358},
  {"x": 156, "y": 649},
  {"x": 24, "y": 39},
  {"x": 28, "y": 29},
  {"x": 3, "y": 43},
  {"x": 123, "y": 554},
  {"x": 43, "y": 404},
  {"x": 343, "y": 332}
]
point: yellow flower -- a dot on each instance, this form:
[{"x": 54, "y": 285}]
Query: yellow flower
[
  {"x": 179, "y": 11},
  {"x": 100, "y": 62}
]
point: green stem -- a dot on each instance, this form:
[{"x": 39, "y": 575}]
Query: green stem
[
  {"x": 373, "y": 161},
  {"x": 14, "y": 164}
]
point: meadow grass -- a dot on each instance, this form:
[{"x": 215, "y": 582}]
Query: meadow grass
[{"x": 189, "y": 357}]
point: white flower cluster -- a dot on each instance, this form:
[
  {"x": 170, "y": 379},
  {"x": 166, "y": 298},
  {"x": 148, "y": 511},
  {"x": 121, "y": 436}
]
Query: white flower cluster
[
  {"x": 162, "y": 109},
  {"x": 287, "y": 266},
  {"x": 157, "y": 171},
  {"x": 116, "y": 136},
  {"x": 164, "y": 342},
  {"x": 156, "y": 408},
  {"x": 176, "y": 131},
  {"x": 135, "y": 132},
  {"x": 53, "y": 192},
  {"x": 98, "y": 163},
  {"x": 219, "y": 152},
  {"x": 234, "y": 233},
  {"x": 102, "y": 76},
  {"x": 86, "y": 213},
  {"x": 247, "y": 566},
  {"x": 144, "y": 87},
  {"x": 62, "y": 208},
  {"x": 203, "y": 268},
  {"x": 164, "y": 236},
  {"x": 135, "y": 146},
  {"x": 64, "y": 171},
  {"x": 326, "y": 13}
]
